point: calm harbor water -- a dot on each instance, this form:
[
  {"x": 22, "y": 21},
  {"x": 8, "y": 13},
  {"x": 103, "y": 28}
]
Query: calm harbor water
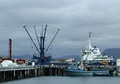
[{"x": 66, "y": 80}]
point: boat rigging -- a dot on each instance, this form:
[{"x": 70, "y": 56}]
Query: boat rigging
[{"x": 41, "y": 42}]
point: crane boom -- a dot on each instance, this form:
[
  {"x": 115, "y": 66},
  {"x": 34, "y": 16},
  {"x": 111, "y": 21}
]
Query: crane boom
[
  {"x": 31, "y": 38},
  {"x": 41, "y": 41},
  {"x": 52, "y": 40}
]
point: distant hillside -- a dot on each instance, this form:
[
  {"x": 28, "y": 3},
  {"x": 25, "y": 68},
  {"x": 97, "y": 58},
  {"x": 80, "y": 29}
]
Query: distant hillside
[
  {"x": 110, "y": 52},
  {"x": 113, "y": 52}
]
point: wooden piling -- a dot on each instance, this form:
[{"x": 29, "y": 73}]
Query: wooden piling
[
  {"x": 15, "y": 73},
  {"x": 117, "y": 68}
]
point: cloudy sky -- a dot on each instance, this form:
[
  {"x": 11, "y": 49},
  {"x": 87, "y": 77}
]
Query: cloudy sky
[{"x": 75, "y": 18}]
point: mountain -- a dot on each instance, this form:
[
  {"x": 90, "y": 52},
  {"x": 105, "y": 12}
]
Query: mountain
[{"x": 115, "y": 52}]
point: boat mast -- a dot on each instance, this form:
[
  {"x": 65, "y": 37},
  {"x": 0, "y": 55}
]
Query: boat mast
[
  {"x": 89, "y": 40},
  {"x": 89, "y": 46},
  {"x": 42, "y": 41}
]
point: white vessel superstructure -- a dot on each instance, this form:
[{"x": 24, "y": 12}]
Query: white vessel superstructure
[{"x": 94, "y": 54}]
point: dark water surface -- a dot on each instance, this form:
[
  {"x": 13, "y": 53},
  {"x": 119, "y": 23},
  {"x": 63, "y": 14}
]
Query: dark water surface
[{"x": 66, "y": 80}]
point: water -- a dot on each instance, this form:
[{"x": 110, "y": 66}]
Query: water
[{"x": 66, "y": 80}]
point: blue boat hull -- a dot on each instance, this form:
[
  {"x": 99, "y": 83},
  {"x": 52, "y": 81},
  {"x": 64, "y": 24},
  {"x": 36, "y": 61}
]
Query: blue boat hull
[{"x": 77, "y": 72}]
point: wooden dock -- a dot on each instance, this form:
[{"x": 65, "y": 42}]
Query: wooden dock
[{"x": 22, "y": 72}]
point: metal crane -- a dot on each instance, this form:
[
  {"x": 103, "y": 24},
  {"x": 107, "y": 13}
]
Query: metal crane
[
  {"x": 31, "y": 38},
  {"x": 41, "y": 50}
]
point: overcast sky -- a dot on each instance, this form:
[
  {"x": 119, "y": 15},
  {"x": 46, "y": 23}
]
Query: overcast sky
[{"x": 75, "y": 18}]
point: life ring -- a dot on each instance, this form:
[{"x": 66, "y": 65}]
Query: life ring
[{"x": 95, "y": 51}]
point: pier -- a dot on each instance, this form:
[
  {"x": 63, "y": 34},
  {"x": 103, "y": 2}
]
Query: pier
[
  {"x": 28, "y": 71},
  {"x": 22, "y": 72}
]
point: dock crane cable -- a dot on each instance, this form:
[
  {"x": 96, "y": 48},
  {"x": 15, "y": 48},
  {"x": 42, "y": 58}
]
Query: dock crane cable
[
  {"x": 41, "y": 40},
  {"x": 52, "y": 40},
  {"x": 31, "y": 38},
  {"x": 36, "y": 35}
]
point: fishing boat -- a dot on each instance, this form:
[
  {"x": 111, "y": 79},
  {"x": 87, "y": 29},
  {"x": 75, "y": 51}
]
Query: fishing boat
[
  {"x": 79, "y": 72},
  {"x": 75, "y": 69},
  {"x": 93, "y": 63}
]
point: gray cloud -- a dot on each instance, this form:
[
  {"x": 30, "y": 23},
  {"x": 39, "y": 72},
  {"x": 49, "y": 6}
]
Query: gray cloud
[{"x": 75, "y": 18}]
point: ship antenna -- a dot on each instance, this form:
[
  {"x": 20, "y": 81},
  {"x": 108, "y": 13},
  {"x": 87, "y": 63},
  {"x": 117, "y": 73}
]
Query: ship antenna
[
  {"x": 89, "y": 47},
  {"x": 90, "y": 40}
]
